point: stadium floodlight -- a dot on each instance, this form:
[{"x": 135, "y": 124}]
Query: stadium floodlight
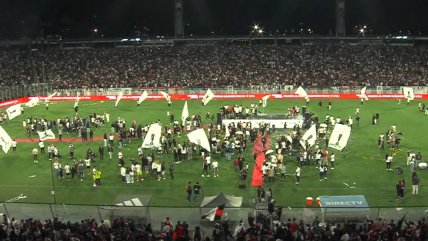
[
  {"x": 256, "y": 27},
  {"x": 260, "y": 31},
  {"x": 95, "y": 30}
]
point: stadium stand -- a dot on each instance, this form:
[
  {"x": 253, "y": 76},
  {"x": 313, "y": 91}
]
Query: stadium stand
[{"x": 219, "y": 65}]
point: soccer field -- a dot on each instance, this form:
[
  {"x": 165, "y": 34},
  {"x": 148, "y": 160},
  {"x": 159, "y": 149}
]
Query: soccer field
[{"x": 362, "y": 165}]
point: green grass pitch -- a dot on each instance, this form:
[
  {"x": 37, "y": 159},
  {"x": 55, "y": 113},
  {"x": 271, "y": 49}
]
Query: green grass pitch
[{"x": 363, "y": 163}]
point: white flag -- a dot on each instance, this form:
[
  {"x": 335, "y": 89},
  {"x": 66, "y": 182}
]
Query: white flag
[
  {"x": 310, "y": 137},
  {"x": 78, "y": 98},
  {"x": 301, "y": 92},
  {"x": 13, "y": 111},
  {"x": 408, "y": 93},
  {"x": 211, "y": 214},
  {"x": 167, "y": 97},
  {"x": 46, "y": 135},
  {"x": 209, "y": 95},
  {"x": 185, "y": 113},
  {"x": 50, "y": 97},
  {"x": 199, "y": 138},
  {"x": 339, "y": 137},
  {"x": 153, "y": 136},
  {"x": 142, "y": 97},
  {"x": 363, "y": 93},
  {"x": 32, "y": 102},
  {"x": 118, "y": 98},
  {"x": 264, "y": 99},
  {"x": 5, "y": 140}
]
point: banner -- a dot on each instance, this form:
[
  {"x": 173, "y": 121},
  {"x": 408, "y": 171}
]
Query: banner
[
  {"x": 301, "y": 92},
  {"x": 184, "y": 113},
  {"x": 199, "y": 138},
  {"x": 13, "y": 111},
  {"x": 339, "y": 137},
  {"x": 142, "y": 97},
  {"x": 309, "y": 137},
  {"x": 47, "y": 99},
  {"x": 408, "y": 93},
  {"x": 118, "y": 98},
  {"x": 167, "y": 97},
  {"x": 153, "y": 136},
  {"x": 46, "y": 135},
  {"x": 207, "y": 97},
  {"x": 363, "y": 93},
  {"x": 5, "y": 140},
  {"x": 264, "y": 100},
  {"x": 32, "y": 102}
]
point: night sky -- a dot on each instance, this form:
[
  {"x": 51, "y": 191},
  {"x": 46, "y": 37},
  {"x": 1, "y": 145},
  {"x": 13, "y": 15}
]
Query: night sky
[{"x": 127, "y": 18}]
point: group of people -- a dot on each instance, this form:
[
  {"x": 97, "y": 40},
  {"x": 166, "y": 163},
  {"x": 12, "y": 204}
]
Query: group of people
[{"x": 252, "y": 66}]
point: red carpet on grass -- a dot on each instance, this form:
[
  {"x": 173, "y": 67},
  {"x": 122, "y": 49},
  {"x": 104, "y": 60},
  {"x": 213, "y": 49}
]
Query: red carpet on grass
[{"x": 257, "y": 179}]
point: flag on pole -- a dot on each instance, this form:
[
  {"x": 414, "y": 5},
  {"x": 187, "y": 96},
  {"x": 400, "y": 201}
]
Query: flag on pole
[
  {"x": 302, "y": 93},
  {"x": 363, "y": 93},
  {"x": 264, "y": 99},
  {"x": 13, "y": 111},
  {"x": 199, "y": 138},
  {"x": 50, "y": 97},
  {"x": 408, "y": 93},
  {"x": 153, "y": 137},
  {"x": 142, "y": 97},
  {"x": 209, "y": 95},
  {"x": 46, "y": 135},
  {"x": 185, "y": 113},
  {"x": 214, "y": 214},
  {"x": 118, "y": 98},
  {"x": 167, "y": 97},
  {"x": 32, "y": 102},
  {"x": 5, "y": 140},
  {"x": 309, "y": 137}
]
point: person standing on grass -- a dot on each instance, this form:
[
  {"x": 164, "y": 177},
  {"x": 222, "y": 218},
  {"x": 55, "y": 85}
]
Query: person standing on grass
[
  {"x": 196, "y": 192},
  {"x": 13, "y": 144},
  {"x": 35, "y": 153},
  {"x": 415, "y": 184},
  {"x": 188, "y": 190},
  {"x": 71, "y": 149},
  {"x": 171, "y": 170},
  {"x": 388, "y": 162},
  {"x": 297, "y": 174},
  {"x": 215, "y": 168},
  {"x": 81, "y": 170},
  {"x": 110, "y": 151},
  {"x": 332, "y": 160},
  {"x": 60, "y": 133},
  {"x": 67, "y": 170},
  {"x": 101, "y": 152},
  {"x": 42, "y": 147}
]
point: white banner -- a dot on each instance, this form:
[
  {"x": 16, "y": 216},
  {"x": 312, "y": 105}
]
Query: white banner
[
  {"x": 142, "y": 97},
  {"x": 153, "y": 136},
  {"x": 199, "y": 138},
  {"x": 5, "y": 140},
  {"x": 310, "y": 137},
  {"x": 339, "y": 137},
  {"x": 264, "y": 100},
  {"x": 167, "y": 97},
  {"x": 46, "y": 135},
  {"x": 118, "y": 98},
  {"x": 32, "y": 102},
  {"x": 50, "y": 97},
  {"x": 185, "y": 113},
  {"x": 209, "y": 95},
  {"x": 301, "y": 92},
  {"x": 13, "y": 111},
  {"x": 363, "y": 93},
  {"x": 408, "y": 93}
]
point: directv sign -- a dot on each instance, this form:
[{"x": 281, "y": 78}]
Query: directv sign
[{"x": 349, "y": 201}]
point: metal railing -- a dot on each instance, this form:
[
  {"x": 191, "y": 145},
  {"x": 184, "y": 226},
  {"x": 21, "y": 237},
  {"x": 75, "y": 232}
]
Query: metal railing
[
  {"x": 192, "y": 215},
  {"x": 43, "y": 89}
]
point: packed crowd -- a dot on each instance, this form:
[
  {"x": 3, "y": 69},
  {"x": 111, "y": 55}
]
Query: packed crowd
[
  {"x": 258, "y": 66},
  {"x": 257, "y": 229}
]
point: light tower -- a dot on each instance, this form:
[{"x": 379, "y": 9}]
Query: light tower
[
  {"x": 340, "y": 18},
  {"x": 179, "y": 28}
]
